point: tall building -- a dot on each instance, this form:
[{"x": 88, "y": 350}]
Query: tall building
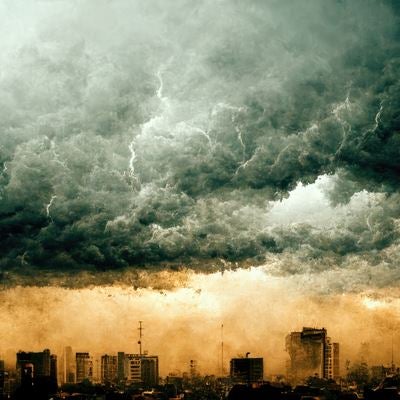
[
  {"x": 137, "y": 369},
  {"x": 37, "y": 371},
  {"x": 41, "y": 361},
  {"x": 109, "y": 368},
  {"x": 132, "y": 365},
  {"x": 149, "y": 371},
  {"x": 68, "y": 365},
  {"x": 121, "y": 367},
  {"x": 84, "y": 367},
  {"x": 41, "y": 364},
  {"x": 247, "y": 370},
  {"x": 312, "y": 354}
]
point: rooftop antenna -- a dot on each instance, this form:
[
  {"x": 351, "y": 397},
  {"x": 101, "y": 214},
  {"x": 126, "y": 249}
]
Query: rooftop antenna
[{"x": 140, "y": 329}]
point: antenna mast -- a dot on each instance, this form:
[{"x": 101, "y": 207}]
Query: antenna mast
[{"x": 140, "y": 329}]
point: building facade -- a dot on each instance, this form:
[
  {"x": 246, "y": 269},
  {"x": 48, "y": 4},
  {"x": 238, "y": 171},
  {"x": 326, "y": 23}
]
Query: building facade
[
  {"x": 137, "y": 369},
  {"x": 149, "y": 367},
  {"x": 84, "y": 367},
  {"x": 312, "y": 354},
  {"x": 109, "y": 369},
  {"x": 247, "y": 370},
  {"x": 68, "y": 365},
  {"x": 38, "y": 365}
]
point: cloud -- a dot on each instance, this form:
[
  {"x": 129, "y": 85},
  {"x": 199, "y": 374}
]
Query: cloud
[{"x": 171, "y": 134}]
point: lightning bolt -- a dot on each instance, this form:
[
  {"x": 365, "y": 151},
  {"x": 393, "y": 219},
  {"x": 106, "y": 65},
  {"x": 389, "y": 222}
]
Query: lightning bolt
[
  {"x": 377, "y": 121},
  {"x": 159, "y": 92},
  {"x": 235, "y": 111},
  {"x": 49, "y": 205},
  {"x": 346, "y": 128},
  {"x": 132, "y": 158},
  {"x": 378, "y": 117},
  {"x": 163, "y": 100}
]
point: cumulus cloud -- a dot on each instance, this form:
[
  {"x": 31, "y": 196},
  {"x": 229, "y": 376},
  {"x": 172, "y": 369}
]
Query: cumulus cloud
[{"x": 159, "y": 133}]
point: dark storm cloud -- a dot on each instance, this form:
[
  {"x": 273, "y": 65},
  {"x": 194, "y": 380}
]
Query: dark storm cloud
[{"x": 136, "y": 134}]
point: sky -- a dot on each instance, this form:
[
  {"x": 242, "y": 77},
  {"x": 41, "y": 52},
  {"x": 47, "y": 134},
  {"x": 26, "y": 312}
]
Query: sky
[{"x": 197, "y": 163}]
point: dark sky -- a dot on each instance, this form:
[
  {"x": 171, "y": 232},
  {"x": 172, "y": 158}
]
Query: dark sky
[{"x": 146, "y": 134}]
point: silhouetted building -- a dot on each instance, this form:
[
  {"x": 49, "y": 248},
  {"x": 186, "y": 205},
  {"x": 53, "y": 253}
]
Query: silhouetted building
[
  {"x": 109, "y": 368},
  {"x": 312, "y": 354},
  {"x": 336, "y": 361},
  {"x": 68, "y": 365},
  {"x": 247, "y": 370},
  {"x": 149, "y": 367},
  {"x": 40, "y": 360},
  {"x": 121, "y": 367},
  {"x": 43, "y": 363},
  {"x": 84, "y": 367},
  {"x": 37, "y": 374}
]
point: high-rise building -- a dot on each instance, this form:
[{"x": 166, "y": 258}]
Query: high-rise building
[
  {"x": 42, "y": 363},
  {"x": 247, "y": 370},
  {"x": 312, "y": 354},
  {"x": 53, "y": 366},
  {"x": 149, "y": 371},
  {"x": 37, "y": 370},
  {"x": 137, "y": 369},
  {"x": 84, "y": 367},
  {"x": 68, "y": 365},
  {"x": 336, "y": 361},
  {"x": 109, "y": 368},
  {"x": 133, "y": 368},
  {"x": 121, "y": 367}
]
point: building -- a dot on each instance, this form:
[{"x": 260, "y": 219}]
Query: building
[
  {"x": 149, "y": 371},
  {"x": 37, "y": 372},
  {"x": 40, "y": 364},
  {"x": 84, "y": 367},
  {"x": 121, "y": 367},
  {"x": 247, "y": 370},
  {"x": 312, "y": 354},
  {"x": 68, "y": 365},
  {"x": 336, "y": 362},
  {"x": 133, "y": 368},
  {"x": 109, "y": 369},
  {"x": 137, "y": 369}
]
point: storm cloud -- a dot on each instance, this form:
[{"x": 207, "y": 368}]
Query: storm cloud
[{"x": 137, "y": 134}]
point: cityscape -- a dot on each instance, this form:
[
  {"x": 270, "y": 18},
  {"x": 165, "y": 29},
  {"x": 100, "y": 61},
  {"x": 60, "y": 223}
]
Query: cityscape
[{"x": 313, "y": 369}]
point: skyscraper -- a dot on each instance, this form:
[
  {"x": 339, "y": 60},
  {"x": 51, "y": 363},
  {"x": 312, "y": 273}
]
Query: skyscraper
[
  {"x": 312, "y": 354},
  {"x": 149, "y": 369},
  {"x": 38, "y": 371},
  {"x": 42, "y": 364},
  {"x": 109, "y": 368},
  {"x": 84, "y": 367},
  {"x": 68, "y": 365}
]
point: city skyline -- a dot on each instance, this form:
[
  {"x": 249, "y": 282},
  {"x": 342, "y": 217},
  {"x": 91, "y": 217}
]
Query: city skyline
[{"x": 318, "y": 366}]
